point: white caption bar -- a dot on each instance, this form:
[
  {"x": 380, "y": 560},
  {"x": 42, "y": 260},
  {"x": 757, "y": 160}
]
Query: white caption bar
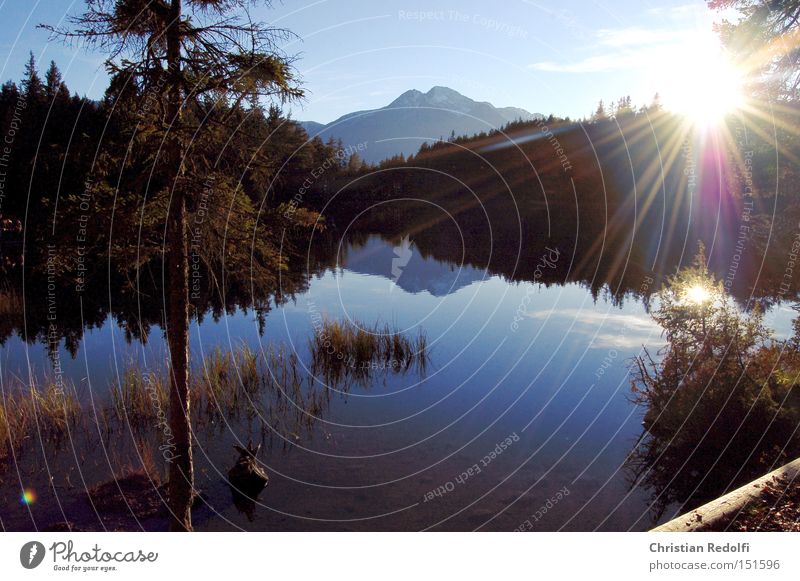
[{"x": 355, "y": 556}]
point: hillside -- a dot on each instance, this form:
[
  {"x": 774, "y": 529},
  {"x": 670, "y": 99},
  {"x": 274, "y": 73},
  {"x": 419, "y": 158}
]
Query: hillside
[{"x": 415, "y": 118}]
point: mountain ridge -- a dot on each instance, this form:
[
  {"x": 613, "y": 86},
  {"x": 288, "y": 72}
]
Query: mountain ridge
[{"x": 414, "y": 118}]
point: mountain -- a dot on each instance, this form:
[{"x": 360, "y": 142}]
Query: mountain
[
  {"x": 312, "y": 127},
  {"x": 414, "y": 118},
  {"x": 406, "y": 267}
]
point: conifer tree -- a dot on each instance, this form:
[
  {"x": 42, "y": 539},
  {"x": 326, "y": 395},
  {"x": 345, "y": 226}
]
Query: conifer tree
[{"x": 181, "y": 56}]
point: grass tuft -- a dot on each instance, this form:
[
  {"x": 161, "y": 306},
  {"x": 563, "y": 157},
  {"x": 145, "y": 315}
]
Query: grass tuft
[
  {"x": 51, "y": 412},
  {"x": 270, "y": 386},
  {"x": 352, "y": 350}
]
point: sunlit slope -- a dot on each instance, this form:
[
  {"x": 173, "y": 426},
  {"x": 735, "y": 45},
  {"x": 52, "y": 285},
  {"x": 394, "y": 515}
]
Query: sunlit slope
[{"x": 621, "y": 195}]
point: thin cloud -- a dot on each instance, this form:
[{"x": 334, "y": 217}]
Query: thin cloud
[
  {"x": 595, "y": 64},
  {"x": 633, "y": 47},
  {"x": 627, "y": 342},
  {"x": 593, "y": 318},
  {"x": 637, "y": 36},
  {"x": 620, "y": 330},
  {"x": 680, "y": 12}
]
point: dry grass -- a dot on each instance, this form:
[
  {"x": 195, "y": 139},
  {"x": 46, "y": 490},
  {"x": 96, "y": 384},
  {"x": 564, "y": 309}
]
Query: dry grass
[
  {"x": 343, "y": 351},
  {"x": 270, "y": 387},
  {"x": 10, "y": 303},
  {"x": 139, "y": 395},
  {"x": 51, "y": 412}
]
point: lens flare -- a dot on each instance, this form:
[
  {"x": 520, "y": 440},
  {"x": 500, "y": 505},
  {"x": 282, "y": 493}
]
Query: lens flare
[{"x": 28, "y": 496}]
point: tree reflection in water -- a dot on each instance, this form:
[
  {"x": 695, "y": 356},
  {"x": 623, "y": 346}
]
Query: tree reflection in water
[{"x": 721, "y": 401}]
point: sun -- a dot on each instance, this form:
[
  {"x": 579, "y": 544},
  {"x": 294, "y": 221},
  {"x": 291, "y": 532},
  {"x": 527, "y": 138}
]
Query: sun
[
  {"x": 703, "y": 84},
  {"x": 697, "y": 295}
]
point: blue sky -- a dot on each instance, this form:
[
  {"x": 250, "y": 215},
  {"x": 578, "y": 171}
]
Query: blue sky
[{"x": 550, "y": 57}]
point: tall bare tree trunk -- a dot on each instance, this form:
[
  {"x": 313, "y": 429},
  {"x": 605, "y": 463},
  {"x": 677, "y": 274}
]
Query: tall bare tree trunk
[{"x": 181, "y": 470}]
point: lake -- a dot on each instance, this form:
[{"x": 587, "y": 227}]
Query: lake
[{"x": 522, "y": 418}]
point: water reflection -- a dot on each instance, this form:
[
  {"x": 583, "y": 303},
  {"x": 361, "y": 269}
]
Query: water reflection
[
  {"x": 720, "y": 400},
  {"x": 403, "y": 264},
  {"x": 530, "y": 334}
]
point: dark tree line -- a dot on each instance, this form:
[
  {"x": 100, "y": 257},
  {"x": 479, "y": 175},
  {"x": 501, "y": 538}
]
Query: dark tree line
[
  {"x": 46, "y": 127},
  {"x": 59, "y": 139},
  {"x": 173, "y": 186}
]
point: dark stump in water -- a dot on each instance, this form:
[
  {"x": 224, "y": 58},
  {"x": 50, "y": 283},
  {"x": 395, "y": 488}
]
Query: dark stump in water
[{"x": 247, "y": 479}]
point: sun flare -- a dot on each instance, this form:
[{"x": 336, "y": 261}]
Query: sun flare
[
  {"x": 697, "y": 295},
  {"x": 703, "y": 85}
]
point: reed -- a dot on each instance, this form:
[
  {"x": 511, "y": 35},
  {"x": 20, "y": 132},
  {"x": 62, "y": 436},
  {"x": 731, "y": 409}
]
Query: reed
[
  {"x": 10, "y": 303},
  {"x": 342, "y": 351},
  {"x": 139, "y": 395},
  {"x": 14, "y": 422},
  {"x": 51, "y": 412},
  {"x": 213, "y": 389},
  {"x": 269, "y": 386}
]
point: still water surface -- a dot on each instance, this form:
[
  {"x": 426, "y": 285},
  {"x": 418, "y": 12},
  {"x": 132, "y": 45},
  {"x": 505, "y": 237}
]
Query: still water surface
[{"x": 522, "y": 417}]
